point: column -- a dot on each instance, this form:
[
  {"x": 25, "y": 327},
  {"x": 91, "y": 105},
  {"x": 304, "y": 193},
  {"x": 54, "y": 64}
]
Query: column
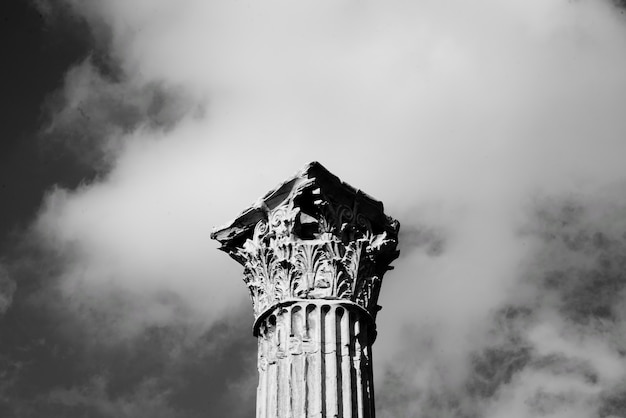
[
  {"x": 319, "y": 362},
  {"x": 314, "y": 251}
]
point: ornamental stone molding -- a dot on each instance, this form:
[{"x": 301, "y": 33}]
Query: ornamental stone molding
[
  {"x": 313, "y": 237},
  {"x": 314, "y": 252}
]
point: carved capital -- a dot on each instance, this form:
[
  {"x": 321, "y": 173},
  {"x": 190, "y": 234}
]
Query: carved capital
[{"x": 313, "y": 237}]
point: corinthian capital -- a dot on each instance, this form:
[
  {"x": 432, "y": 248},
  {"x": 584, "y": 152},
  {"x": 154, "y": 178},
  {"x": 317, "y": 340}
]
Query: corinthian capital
[{"x": 312, "y": 237}]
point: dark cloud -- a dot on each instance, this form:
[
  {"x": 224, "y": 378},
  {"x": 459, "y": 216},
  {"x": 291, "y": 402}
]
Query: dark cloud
[
  {"x": 555, "y": 345},
  {"x": 7, "y": 288},
  {"x": 72, "y": 355},
  {"x": 430, "y": 239},
  {"x": 90, "y": 114},
  {"x": 582, "y": 257},
  {"x": 52, "y": 361},
  {"x": 37, "y": 56}
]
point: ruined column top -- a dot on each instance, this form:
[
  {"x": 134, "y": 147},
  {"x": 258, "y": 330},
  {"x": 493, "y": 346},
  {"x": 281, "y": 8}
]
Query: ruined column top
[{"x": 312, "y": 237}]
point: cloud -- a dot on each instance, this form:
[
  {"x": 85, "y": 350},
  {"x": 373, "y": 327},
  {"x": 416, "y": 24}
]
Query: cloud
[
  {"x": 90, "y": 115},
  {"x": 7, "y": 288},
  {"x": 477, "y": 124},
  {"x": 549, "y": 346}
]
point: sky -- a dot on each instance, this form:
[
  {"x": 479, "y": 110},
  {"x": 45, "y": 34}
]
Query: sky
[{"x": 494, "y": 131}]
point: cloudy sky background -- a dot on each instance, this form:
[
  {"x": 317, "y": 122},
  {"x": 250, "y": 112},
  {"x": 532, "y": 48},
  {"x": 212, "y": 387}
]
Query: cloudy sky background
[{"x": 493, "y": 130}]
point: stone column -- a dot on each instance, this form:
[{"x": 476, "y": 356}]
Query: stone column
[{"x": 314, "y": 252}]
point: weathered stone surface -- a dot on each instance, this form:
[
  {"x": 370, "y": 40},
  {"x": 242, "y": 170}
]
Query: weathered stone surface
[
  {"x": 312, "y": 237},
  {"x": 314, "y": 252},
  {"x": 315, "y": 361}
]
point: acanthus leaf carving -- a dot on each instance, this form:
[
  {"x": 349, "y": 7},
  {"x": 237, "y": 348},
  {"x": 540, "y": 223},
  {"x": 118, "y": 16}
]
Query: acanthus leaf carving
[
  {"x": 313, "y": 237},
  {"x": 339, "y": 262}
]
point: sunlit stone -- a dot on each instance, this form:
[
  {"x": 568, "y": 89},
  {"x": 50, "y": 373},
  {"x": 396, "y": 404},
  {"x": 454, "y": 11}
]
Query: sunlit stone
[{"x": 314, "y": 252}]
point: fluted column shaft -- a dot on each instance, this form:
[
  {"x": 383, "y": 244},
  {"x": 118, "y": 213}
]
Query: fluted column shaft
[{"x": 315, "y": 360}]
